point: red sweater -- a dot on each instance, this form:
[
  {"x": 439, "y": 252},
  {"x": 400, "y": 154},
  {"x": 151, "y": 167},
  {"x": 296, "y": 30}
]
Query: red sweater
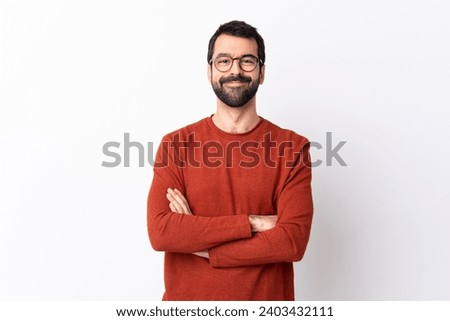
[{"x": 226, "y": 177}]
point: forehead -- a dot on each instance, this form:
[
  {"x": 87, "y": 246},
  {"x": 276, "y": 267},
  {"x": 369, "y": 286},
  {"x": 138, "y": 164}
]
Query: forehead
[{"x": 235, "y": 46}]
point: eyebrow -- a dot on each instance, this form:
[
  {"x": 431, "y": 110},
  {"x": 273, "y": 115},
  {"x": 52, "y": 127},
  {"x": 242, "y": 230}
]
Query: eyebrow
[
  {"x": 223, "y": 55},
  {"x": 228, "y": 55}
]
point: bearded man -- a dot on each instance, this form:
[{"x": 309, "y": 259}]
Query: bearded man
[{"x": 230, "y": 202}]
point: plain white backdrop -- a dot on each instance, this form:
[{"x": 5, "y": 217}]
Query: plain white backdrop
[{"x": 75, "y": 75}]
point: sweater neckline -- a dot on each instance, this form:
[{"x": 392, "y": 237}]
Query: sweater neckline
[{"x": 234, "y": 135}]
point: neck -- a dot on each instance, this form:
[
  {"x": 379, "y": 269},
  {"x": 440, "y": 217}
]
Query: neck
[{"x": 236, "y": 120}]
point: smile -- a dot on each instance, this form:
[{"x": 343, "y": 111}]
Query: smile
[{"x": 235, "y": 83}]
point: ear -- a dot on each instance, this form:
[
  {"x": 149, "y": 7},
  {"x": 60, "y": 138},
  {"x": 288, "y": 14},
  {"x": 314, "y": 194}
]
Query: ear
[
  {"x": 209, "y": 73},
  {"x": 262, "y": 74}
]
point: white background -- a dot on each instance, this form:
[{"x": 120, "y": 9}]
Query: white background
[{"x": 75, "y": 75}]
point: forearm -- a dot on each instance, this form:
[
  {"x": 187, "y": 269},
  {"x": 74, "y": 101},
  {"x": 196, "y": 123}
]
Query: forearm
[
  {"x": 175, "y": 232},
  {"x": 172, "y": 232},
  {"x": 280, "y": 244},
  {"x": 258, "y": 223}
]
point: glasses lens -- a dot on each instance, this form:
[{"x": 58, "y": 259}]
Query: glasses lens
[
  {"x": 248, "y": 63},
  {"x": 223, "y": 63}
]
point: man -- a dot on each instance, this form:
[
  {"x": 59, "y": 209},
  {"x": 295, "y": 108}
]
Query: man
[{"x": 230, "y": 202}]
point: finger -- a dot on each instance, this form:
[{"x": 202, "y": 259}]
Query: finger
[
  {"x": 181, "y": 200},
  {"x": 174, "y": 202},
  {"x": 177, "y": 192},
  {"x": 174, "y": 194},
  {"x": 172, "y": 208},
  {"x": 178, "y": 204}
]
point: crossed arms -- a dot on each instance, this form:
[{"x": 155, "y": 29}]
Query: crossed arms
[
  {"x": 235, "y": 239},
  {"x": 179, "y": 204}
]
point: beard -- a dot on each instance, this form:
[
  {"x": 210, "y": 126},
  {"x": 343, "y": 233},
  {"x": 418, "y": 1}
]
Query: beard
[{"x": 236, "y": 96}]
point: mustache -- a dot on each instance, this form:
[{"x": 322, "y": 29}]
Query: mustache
[{"x": 235, "y": 78}]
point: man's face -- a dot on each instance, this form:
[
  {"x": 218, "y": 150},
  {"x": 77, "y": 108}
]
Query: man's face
[{"x": 235, "y": 87}]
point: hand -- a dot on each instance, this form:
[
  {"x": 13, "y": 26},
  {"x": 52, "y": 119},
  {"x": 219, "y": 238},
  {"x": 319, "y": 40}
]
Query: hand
[
  {"x": 261, "y": 223},
  {"x": 178, "y": 203}
]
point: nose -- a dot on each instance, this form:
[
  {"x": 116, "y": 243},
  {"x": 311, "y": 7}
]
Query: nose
[{"x": 235, "y": 68}]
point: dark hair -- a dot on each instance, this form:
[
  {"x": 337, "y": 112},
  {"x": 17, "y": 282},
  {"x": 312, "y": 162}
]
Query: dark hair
[{"x": 238, "y": 29}]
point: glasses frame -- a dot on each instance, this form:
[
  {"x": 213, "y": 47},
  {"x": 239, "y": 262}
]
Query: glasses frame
[{"x": 213, "y": 62}]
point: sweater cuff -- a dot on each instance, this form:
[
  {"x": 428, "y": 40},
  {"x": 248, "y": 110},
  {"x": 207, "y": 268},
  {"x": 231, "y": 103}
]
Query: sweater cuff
[
  {"x": 245, "y": 230},
  {"x": 243, "y": 227}
]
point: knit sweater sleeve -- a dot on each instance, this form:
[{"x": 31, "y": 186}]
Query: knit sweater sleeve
[
  {"x": 287, "y": 241},
  {"x": 173, "y": 232}
]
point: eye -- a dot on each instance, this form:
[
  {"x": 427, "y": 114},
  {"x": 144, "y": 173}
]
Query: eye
[
  {"x": 248, "y": 61},
  {"x": 223, "y": 61}
]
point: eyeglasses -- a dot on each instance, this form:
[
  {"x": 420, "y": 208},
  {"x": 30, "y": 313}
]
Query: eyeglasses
[{"x": 246, "y": 63}]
